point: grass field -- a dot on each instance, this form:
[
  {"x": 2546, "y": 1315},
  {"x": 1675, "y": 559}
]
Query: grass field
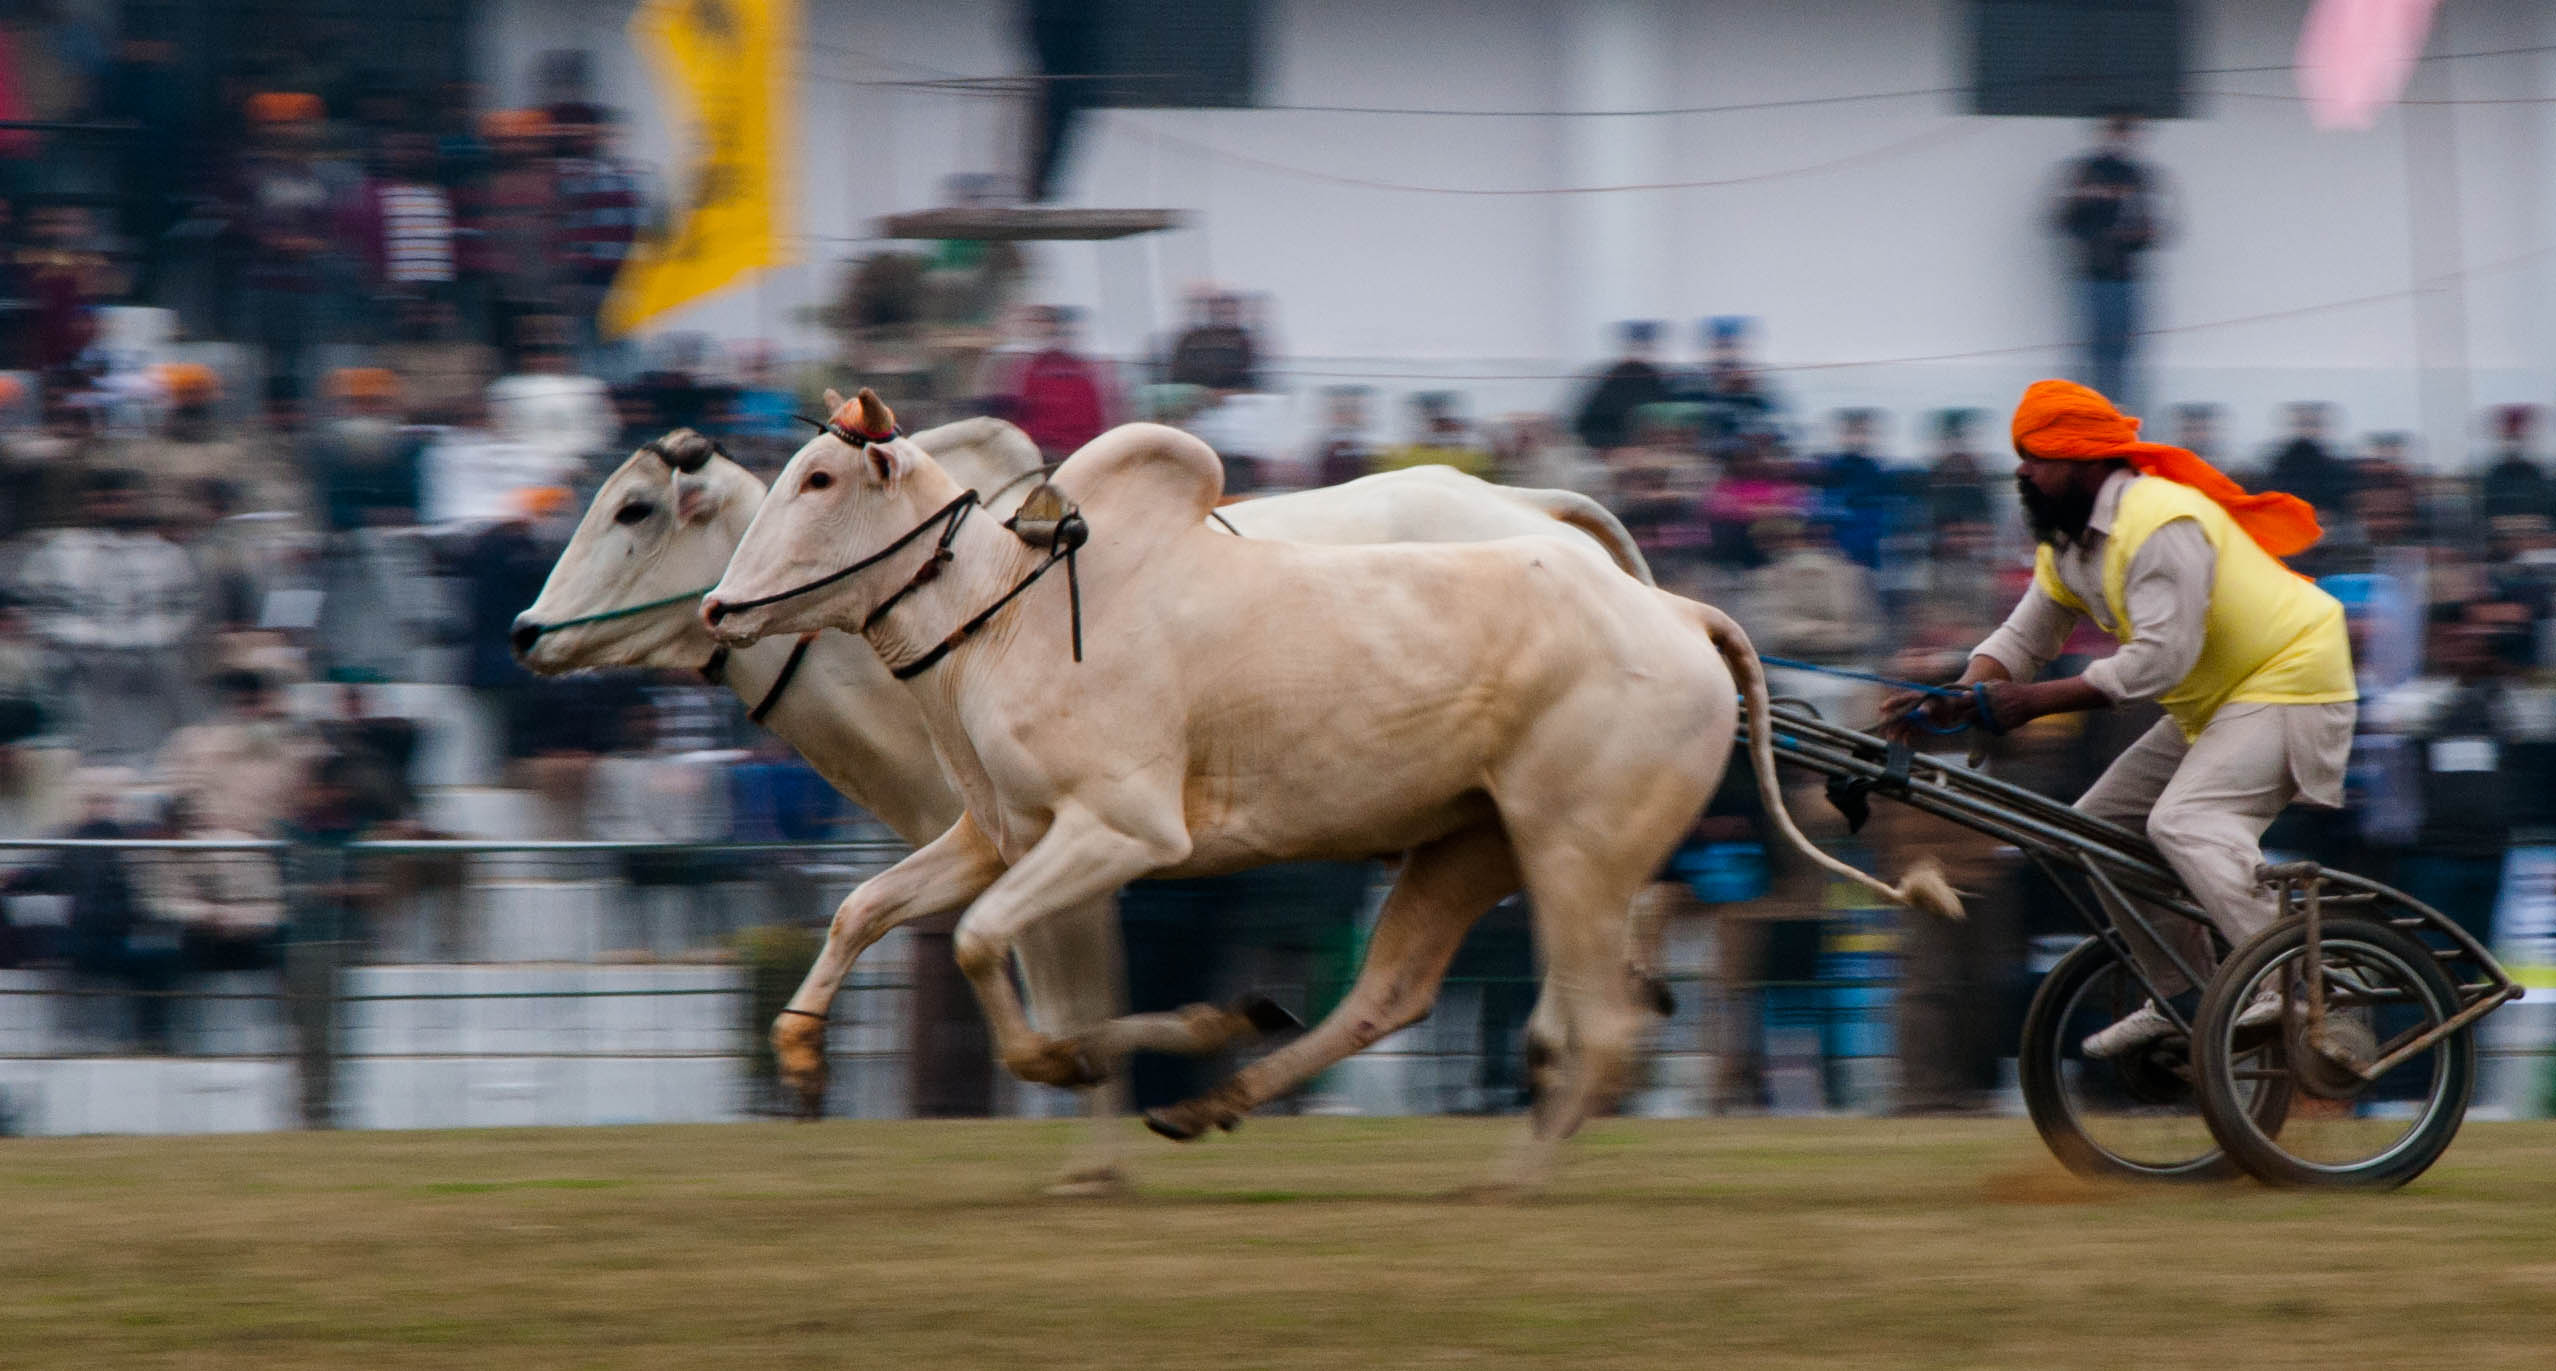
[{"x": 1330, "y": 1243}]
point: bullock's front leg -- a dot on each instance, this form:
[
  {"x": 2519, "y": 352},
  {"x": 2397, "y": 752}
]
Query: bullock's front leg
[
  {"x": 1072, "y": 967},
  {"x": 943, "y": 874},
  {"x": 1080, "y": 858}
]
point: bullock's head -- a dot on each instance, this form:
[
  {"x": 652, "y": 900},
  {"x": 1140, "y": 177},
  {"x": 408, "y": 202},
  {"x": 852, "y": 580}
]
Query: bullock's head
[
  {"x": 626, "y": 590},
  {"x": 851, "y": 493}
]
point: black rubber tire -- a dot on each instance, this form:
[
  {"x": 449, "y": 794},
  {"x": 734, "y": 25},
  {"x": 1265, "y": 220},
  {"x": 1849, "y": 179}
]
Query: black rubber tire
[
  {"x": 2259, "y": 1151},
  {"x": 2038, "y": 1063}
]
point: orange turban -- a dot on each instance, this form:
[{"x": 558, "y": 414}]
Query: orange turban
[
  {"x": 188, "y": 382},
  {"x": 2061, "y": 421},
  {"x": 364, "y": 383},
  {"x": 540, "y": 502},
  {"x": 514, "y": 123},
  {"x": 285, "y": 107}
]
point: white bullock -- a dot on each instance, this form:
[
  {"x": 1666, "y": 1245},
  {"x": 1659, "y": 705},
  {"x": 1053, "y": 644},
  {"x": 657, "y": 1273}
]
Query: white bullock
[
  {"x": 1500, "y": 714},
  {"x": 661, "y": 529}
]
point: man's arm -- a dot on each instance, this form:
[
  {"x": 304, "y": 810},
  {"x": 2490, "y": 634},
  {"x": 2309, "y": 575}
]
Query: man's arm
[
  {"x": 2031, "y": 636},
  {"x": 2168, "y": 590}
]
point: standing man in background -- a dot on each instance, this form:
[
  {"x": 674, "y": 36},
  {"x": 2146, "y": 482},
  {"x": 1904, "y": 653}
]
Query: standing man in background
[
  {"x": 2111, "y": 213},
  {"x": 1604, "y": 419}
]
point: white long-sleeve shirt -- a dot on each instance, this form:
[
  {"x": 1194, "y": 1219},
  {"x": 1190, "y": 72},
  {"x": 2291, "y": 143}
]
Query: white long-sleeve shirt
[
  {"x": 2168, "y": 592},
  {"x": 107, "y": 588}
]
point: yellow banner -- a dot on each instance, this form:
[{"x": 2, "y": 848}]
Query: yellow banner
[{"x": 723, "y": 73}]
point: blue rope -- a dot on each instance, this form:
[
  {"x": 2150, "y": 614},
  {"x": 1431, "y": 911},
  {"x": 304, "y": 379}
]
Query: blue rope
[{"x": 1981, "y": 715}]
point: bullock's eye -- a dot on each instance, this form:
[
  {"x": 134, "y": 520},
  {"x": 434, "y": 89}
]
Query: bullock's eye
[
  {"x": 634, "y": 512},
  {"x": 818, "y": 480}
]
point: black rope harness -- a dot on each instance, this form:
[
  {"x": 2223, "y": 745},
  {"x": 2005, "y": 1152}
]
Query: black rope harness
[
  {"x": 715, "y": 671},
  {"x": 1064, "y": 542},
  {"x": 1071, "y": 532},
  {"x": 948, "y": 515},
  {"x": 1070, "y": 535}
]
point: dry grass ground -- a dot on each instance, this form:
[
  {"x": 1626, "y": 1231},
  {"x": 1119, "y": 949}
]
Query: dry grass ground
[{"x": 1327, "y": 1243}]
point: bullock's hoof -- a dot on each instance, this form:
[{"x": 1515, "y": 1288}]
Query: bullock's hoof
[
  {"x": 798, "y": 1046},
  {"x": 1092, "y": 1183},
  {"x": 1266, "y": 1016},
  {"x": 1190, "y": 1118},
  {"x": 1059, "y": 1062}
]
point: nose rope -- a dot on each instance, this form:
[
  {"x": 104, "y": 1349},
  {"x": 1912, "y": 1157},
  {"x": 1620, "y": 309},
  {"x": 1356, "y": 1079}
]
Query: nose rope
[{"x": 622, "y": 613}]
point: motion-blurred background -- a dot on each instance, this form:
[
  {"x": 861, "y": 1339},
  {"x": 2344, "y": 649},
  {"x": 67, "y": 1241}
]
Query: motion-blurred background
[{"x": 320, "y": 321}]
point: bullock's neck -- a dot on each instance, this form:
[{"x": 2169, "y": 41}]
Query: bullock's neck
[
  {"x": 986, "y": 560},
  {"x": 844, "y": 714}
]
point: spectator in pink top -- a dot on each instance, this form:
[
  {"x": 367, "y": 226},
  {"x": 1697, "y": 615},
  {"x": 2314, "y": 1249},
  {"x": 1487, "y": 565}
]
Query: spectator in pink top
[{"x": 1753, "y": 489}]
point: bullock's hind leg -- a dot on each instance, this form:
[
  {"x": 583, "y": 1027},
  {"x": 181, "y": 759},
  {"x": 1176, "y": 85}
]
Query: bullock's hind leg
[
  {"x": 1591, "y": 1014},
  {"x": 1072, "y": 971},
  {"x": 1547, "y": 1034},
  {"x": 1444, "y": 887},
  {"x": 941, "y": 875}
]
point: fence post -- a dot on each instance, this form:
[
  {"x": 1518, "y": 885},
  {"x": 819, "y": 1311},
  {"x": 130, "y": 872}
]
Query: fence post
[{"x": 317, "y": 876}]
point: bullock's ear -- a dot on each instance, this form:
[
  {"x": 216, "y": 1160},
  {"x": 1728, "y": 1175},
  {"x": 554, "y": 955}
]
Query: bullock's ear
[
  {"x": 833, "y": 399},
  {"x": 695, "y": 499},
  {"x": 887, "y": 461}
]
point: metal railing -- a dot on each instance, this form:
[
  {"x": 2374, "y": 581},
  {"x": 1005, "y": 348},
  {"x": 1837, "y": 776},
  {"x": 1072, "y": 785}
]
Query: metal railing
[{"x": 453, "y": 983}]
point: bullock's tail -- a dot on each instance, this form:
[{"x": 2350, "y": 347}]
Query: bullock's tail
[
  {"x": 1924, "y": 887},
  {"x": 1591, "y": 518}
]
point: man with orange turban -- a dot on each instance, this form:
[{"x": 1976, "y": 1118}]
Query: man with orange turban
[{"x": 2250, "y": 660}]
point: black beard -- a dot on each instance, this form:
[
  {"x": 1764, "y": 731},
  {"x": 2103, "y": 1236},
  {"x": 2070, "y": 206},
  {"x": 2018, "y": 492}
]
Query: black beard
[{"x": 2058, "y": 521}]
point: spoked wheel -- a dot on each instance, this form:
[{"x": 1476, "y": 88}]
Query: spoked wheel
[
  {"x": 2128, "y": 1117},
  {"x": 2382, "y": 991}
]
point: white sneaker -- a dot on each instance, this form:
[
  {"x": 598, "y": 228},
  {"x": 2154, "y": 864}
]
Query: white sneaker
[
  {"x": 2138, "y": 1028},
  {"x": 2263, "y": 1011}
]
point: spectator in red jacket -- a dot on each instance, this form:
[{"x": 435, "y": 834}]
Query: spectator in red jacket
[{"x": 1059, "y": 397}]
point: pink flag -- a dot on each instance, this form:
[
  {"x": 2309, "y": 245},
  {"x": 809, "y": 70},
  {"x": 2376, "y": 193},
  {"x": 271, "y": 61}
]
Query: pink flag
[{"x": 2355, "y": 57}]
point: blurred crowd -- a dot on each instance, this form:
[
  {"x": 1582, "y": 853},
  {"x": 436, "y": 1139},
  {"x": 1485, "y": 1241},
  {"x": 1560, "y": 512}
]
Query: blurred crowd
[{"x": 300, "y": 397}]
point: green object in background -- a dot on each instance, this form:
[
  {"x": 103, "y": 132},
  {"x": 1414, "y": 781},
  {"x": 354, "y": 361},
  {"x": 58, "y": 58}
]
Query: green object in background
[{"x": 776, "y": 958}]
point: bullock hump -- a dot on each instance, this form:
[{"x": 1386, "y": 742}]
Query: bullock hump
[{"x": 1141, "y": 478}]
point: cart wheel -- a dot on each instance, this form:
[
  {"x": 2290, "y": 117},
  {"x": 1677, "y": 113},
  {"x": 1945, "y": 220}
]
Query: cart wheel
[
  {"x": 2130, "y": 1117},
  {"x": 2382, "y": 990}
]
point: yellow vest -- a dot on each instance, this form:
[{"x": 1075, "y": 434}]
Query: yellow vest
[{"x": 2271, "y": 636}]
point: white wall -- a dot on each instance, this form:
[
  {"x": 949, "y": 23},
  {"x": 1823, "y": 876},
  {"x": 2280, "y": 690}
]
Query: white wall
[{"x": 1884, "y": 243}]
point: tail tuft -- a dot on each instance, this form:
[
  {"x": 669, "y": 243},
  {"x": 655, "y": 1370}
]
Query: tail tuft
[{"x": 1925, "y": 886}]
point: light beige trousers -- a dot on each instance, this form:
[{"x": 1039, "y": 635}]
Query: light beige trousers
[{"x": 2205, "y": 805}]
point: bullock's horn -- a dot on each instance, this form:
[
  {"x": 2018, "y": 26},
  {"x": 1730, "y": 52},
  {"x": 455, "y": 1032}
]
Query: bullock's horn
[
  {"x": 876, "y": 417},
  {"x": 686, "y": 451}
]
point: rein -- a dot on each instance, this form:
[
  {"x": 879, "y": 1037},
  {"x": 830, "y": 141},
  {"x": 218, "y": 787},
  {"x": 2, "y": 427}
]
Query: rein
[
  {"x": 714, "y": 671},
  {"x": 624, "y": 612},
  {"x": 1983, "y": 717}
]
